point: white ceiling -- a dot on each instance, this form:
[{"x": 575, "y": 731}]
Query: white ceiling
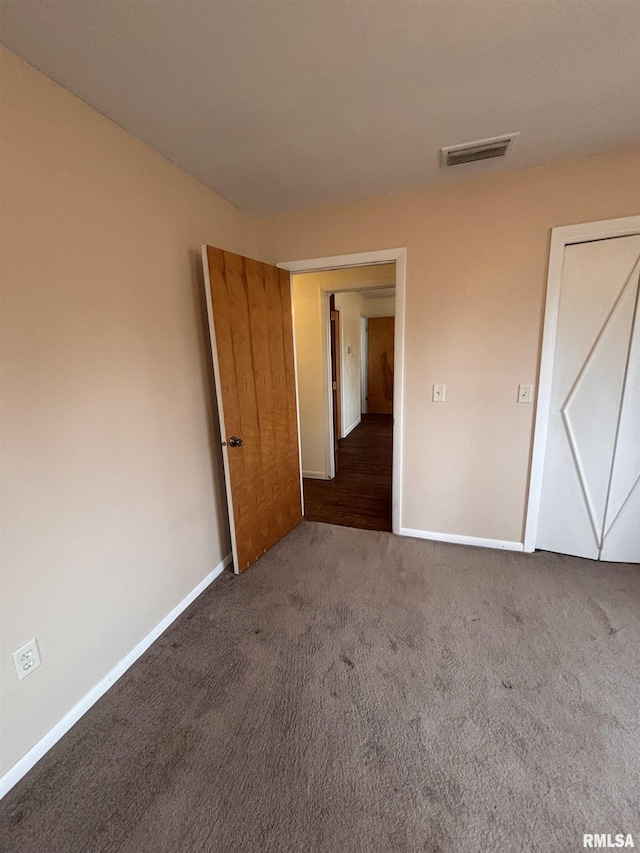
[{"x": 288, "y": 104}]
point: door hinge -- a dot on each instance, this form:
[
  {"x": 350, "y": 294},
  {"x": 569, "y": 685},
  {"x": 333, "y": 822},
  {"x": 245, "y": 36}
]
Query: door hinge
[
  {"x": 334, "y": 386},
  {"x": 334, "y": 316}
]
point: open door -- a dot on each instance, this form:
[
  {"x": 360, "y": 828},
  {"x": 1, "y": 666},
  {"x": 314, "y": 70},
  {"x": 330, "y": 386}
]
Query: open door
[{"x": 249, "y": 309}]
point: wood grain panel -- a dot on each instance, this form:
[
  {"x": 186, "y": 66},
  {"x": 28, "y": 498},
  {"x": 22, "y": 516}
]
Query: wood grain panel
[
  {"x": 252, "y": 338},
  {"x": 380, "y": 366}
]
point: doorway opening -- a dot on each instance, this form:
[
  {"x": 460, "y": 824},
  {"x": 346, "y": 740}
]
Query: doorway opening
[{"x": 345, "y": 334}]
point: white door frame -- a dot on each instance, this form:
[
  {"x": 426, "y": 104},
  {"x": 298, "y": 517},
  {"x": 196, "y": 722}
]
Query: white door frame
[
  {"x": 560, "y": 237},
  {"x": 364, "y": 363},
  {"x": 360, "y": 259}
]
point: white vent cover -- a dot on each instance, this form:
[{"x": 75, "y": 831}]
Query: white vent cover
[{"x": 483, "y": 149}]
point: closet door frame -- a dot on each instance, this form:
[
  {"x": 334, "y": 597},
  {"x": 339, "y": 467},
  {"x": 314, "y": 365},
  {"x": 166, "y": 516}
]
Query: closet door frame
[{"x": 560, "y": 238}]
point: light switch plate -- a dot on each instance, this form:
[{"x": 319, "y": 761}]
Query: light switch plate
[
  {"x": 525, "y": 393},
  {"x": 438, "y": 393}
]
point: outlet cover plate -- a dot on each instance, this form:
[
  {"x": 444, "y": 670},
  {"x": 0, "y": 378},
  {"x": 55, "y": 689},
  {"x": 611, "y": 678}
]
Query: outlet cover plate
[{"x": 26, "y": 659}]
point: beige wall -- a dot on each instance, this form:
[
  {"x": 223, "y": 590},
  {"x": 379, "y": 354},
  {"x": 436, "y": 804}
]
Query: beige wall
[
  {"x": 309, "y": 291},
  {"x": 314, "y": 420},
  {"x": 476, "y": 266},
  {"x": 379, "y": 307},
  {"x": 112, "y": 499}
]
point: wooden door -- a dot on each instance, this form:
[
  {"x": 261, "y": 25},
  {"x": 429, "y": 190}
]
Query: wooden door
[
  {"x": 335, "y": 376},
  {"x": 590, "y": 501},
  {"x": 380, "y": 366},
  {"x": 249, "y": 308}
]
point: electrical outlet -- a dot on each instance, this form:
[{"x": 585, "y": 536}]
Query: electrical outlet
[
  {"x": 26, "y": 659},
  {"x": 525, "y": 393},
  {"x": 438, "y": 393}
]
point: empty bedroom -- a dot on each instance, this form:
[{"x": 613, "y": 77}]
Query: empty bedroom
[{"x": 319, "y": 418}]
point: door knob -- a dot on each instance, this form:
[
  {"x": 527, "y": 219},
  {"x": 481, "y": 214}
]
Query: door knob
[{"x": 235, "y": 442}]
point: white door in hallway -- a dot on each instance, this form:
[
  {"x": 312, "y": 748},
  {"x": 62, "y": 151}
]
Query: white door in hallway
[{"x": 590, "y": 504}]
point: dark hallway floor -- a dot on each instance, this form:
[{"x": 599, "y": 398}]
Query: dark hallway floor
[{"x": 360, "y": 494}]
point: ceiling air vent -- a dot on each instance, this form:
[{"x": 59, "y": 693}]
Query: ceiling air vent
[{"x": 483, "y": 149}]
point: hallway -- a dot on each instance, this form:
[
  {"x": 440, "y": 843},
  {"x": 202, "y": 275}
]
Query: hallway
[{"x": 360, "y": 494}]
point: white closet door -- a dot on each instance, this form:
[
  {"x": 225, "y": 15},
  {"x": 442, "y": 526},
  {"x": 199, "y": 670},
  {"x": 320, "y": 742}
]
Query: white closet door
[
  {"x": 621, "y": 540},
  {"x": 595, "y": 320}
]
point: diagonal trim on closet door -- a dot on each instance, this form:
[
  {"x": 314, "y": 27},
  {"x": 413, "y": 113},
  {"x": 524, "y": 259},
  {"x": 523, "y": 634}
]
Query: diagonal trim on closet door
[
  {"x": 635, "y": 275},
  {"x": 597, "y": 523},
  {"x": 542, "y": 529},
  {"x": 595, "y": 526},
  {"x": 620, "y": 510}
]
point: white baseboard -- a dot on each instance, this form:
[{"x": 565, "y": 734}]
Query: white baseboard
[
  {"x": 477, "y": 541},
  {"x": 24, "y": 764},
  {"x": 314, "y": 475},
  {"x": 352, "y": 427}
]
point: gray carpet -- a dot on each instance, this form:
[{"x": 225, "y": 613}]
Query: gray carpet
[{"x": 356, "y": 691}]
